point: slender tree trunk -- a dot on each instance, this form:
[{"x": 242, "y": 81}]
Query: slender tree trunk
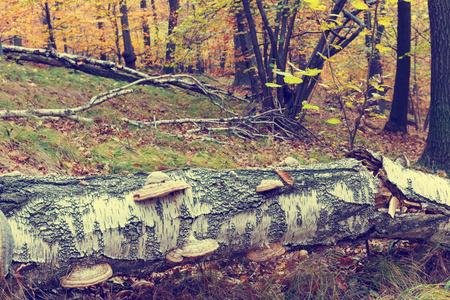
[
  {"x": 398, "y": 117},
  {"x": 437, "y": 151},
  {"x": 48, "y": 20},
  {"x": 375, "y": 67},
  {"x": 174, "y": 5},
  {"x": 128, "y": 53},
  {"x": 146, "y": 31},
  {"x": 303, "y": 90},
  {"x": 267, "y": 102},
  {"x": 245, "y": 73},
  {"x": 101, "y": 28},
  {"x": 113, "y": 19}
]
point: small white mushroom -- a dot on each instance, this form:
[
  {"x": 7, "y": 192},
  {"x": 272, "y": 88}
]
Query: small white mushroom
[
  {"x": 159, "y": 190},
  {"x": 265, "y": 253},
  {"x": 267, "y": 185},
  {"x": 156, "y": 177},
  {"x": 83, "y": 276}
]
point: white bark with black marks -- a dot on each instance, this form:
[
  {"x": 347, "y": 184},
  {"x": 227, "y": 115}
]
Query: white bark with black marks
[{"x": 57, "y": 221}]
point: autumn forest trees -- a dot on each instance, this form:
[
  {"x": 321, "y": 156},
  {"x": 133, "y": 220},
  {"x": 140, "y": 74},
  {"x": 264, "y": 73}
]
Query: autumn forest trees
[{"x": 284, "y": 52}]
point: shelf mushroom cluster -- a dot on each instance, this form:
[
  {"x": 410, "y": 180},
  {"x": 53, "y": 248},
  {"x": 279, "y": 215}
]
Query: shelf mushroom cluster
[{"x": 159, "y": 184}]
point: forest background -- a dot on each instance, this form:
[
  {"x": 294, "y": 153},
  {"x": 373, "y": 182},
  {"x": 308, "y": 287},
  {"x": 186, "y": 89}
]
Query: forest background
[{"x": 202, "y": 38}]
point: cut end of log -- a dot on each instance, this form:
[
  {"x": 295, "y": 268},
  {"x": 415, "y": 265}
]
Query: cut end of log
[
  {"x": 266, "y": 253},
  {"x": 6, "y": 246},
  {"x": 160, "y": 190},
  {"x": 84, "y": 276},
  {"x": 267, "y": 185}
]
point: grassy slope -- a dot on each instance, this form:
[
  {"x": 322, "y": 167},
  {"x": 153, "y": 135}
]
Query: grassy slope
[{"x": 35, "y": 146}]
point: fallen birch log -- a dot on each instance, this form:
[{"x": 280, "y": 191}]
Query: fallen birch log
[{"x": 58, "y": 222}]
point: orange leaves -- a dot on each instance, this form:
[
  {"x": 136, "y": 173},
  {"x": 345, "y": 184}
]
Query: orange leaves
[{"x": 285, "y": 176}]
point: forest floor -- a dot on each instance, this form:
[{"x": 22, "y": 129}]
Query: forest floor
[{"x": 395, "y": 270}]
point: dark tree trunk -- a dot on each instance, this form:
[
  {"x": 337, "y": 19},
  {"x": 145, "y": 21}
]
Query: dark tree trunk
[
  {"x": 48, "y": 20},
  {"x": 375, "y": 65},
  {"x": 303, "y": 90},
  {"x": 101, "y": 28},
  {"x": 245, "y": 73},
  {"x": 267, "y": 101},
  {"x": 174, "y": 5},
  {"x": 437, "y": 151},
  {"x": 128, "y": 53},
  {"x": 146, "y": 31},
  {"x": 398, "y": 117}
]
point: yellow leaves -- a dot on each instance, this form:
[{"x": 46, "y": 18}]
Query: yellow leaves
[
  {"x": 382, "y": 48},
  {"x": 315, "y": 5},
  {"x": 366, "y": 31},
  {"x": 336, "y": 47},
  {"x": 385, "y": 21},
  {"x": 292, "y": 80},
  {"x": 359, "y": 5},
  {"x": 334, "y": 121},
  {"x": 272, "y": 85},
  {"x": 326, "y": 26},
  {"x": 306, "y": 105},
  {"x": 326, "y": 58}
]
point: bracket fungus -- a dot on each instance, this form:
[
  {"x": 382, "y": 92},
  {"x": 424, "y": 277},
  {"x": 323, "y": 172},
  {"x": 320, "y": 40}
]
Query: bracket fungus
[
  {"x": 6, "y": 246},
  {"x": 160, "y": 190},
  {"x": 192, "y": 248},
  {"x": 265, "y": 253},
  {"x": 267, "y": 185},
  {"x": 158, "y": 184},
  {"x": 83, "y": 276}
]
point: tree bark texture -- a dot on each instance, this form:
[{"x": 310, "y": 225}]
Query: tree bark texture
[
  {"x": 437, "y": 151},
  {"x": 60, "y": 221},
  {"x": 373, "y": 57},
  {"x": 48, "y": 22},
  {"x": 128, "y": 53},
  {"x": 245, "y": 73},
  {"x": 398, "y": 117},
  {"x": 174, "y": 5}
]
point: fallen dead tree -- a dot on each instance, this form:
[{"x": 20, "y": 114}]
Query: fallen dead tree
[
  {"x": 274, "y": 122},
  {"x": 187, "y": 215}
]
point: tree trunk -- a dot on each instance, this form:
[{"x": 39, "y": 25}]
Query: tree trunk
[
  {"x": 128, "y": 52},
  {"x": 267, "y": 100},
  {"x": 48, "y": 21},
  {"x": 61, "y": 221},
  {"x": 174, "y": 5},
  {"x": 375, "y": 65},
  {"x": 146, "y": 31},
  {"x": 437, "y": 151},
  {"x": 398, "y": 117},
  {"x": 245, "y": 73}
]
